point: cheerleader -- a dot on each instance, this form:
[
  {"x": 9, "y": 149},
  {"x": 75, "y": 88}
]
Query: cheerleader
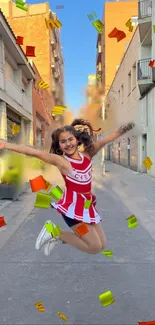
[{"x": 76, "y": 169}]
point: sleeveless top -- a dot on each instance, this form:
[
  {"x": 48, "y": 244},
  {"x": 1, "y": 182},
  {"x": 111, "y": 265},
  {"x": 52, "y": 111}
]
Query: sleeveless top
[{"x": 78, "y": 182}]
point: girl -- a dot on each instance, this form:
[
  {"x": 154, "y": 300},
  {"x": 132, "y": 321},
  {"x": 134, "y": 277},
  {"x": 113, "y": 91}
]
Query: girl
[{"x": 75, "y": 168}]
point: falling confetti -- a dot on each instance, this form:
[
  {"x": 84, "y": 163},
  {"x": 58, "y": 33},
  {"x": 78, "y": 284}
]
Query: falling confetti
[
  {"x": 2, "y": 222},
  {"x": 42, "y": 84},
  {"x": 106, "y": 298},
  {"x": 147, "y": 162},
  {"x": 39, "y": 306},
  {"x": 119, "y": 34},
  {"x": 132, "y": 222},
  {"x": 82, "y": 230},
  {"x": 108, "y": 253},
  {"x": 62, "y": 316}
]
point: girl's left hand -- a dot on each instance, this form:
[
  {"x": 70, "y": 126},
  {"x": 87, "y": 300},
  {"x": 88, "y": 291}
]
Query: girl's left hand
[{"x": 127, "y": 127}]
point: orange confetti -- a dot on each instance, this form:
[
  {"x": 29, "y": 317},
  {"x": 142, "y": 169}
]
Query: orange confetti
[
  {"x": 38, "y": 184},
  {"x": 152, "y": 322},
  {"x": 2, "y": 222},
  {"x": 19, "y": 40},
  {"x": 82, "y": 230},
  {"x": 119, "y": 34},
  {"x": 151, "y": 63},
  {"x": 30, "y": 51}
]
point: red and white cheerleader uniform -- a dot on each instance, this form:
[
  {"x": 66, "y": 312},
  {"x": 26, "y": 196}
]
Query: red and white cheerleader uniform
[{"x": 72, "y": 202}]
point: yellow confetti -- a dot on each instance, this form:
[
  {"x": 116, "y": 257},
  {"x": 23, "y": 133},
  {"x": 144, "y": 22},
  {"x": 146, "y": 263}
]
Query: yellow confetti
[
  {"x": 39, "y": 306},
  {"x": 62, "y": 316},
  {"x": 132, "y": 222},
  {"x": 107, "y": 253},
  {"x": 147, "y": 162},
  {"x": 106, "y": 298}
]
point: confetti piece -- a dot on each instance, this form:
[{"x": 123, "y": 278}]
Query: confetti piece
[
  {"x": 42, "y": 200},
  {"x": 55, "y": 231},
  {"x": 56, "y": 193},
  {"x": 129, "y": 25},
  {"x": 147, "y": 162},
  {"x": 87, "y": 204},
  {"x": 52, "y": 23},
  {"x": 132, "y": 222},
  {"x": 63, "y": 108},
  {"x": 38, "y": 184},
  {"x": 152, "y": 322},
  {"x": 119, "y": 34},
  {"x": 20, "y": 4},
  {"x": 107, "y": 253},
  {"x": 42, "y": 84},
  {"x": 15, "y": 129},
  {"x": 92, "y": 16},
  {"x": 30, "y": 51},
  {"x": 82, "y": 230},
  {"x": 98, "y": 25},
  {"x": 62, "y": 316},
  {"x": 19, "y": 40},
  {"x": 154, "y": 28},
  {"x": 39, "y": 306},
  {"x": 106, "y": 298},
  {"x": 60, "y": 7},
  {"x": 151, "y": 63},
  {"x": 97, "y": 130},
  {"x": 48, "y": 186},
  {"x": 2, "y": 222}
]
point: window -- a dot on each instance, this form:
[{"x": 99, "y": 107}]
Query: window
[
  {"x": 9, "y": 71},
  {"x": 129, "y": 82},
  {"x": 134, "y": 76},
  {"x": 122, "y": 93}
]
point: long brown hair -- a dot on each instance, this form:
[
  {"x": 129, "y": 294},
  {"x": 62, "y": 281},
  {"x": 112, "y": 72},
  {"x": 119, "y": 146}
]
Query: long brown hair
[{"x": 82, "y": 137}]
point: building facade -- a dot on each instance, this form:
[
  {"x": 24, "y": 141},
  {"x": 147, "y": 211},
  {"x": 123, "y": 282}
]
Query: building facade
[
  {"x": 146, "y": 81},
  {"x": 122, "y": 104},
  {"x": 48, "y": 52},
  {"x": 109, "y": 51},
  {"x": 16, "y": 81}
]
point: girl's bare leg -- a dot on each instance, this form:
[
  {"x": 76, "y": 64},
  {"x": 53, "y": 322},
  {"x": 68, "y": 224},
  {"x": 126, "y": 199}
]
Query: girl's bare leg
[
  {"x": 99, "y": 230},
  {"x": 89, "y": 243}
]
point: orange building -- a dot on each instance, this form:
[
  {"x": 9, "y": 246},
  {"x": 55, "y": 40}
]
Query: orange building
[
  {"x": 109, "y": 51},
  {"x": 48, "y": 52}
]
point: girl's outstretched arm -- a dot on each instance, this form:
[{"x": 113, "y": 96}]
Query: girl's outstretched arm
[
  {"x": 49, "y": 158},
  {"x": 111, "y": 137}
]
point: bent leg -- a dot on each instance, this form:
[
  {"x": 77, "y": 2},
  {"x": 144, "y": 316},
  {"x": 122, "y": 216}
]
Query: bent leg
[
  {"x": 89, "y": 243},
  {"x": 99, "y": 230}
]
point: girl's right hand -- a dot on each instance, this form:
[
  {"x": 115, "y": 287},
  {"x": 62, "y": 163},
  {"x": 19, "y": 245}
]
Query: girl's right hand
[{"x": 2, "y": 144}]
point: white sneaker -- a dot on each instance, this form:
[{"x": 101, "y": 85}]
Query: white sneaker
[
  {"x": 51, "y": 244},
  {"x": 43, "y": 236}
]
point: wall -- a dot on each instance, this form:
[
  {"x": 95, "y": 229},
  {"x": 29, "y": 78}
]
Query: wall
[
  {"x": 124, "y": 106},
  {"x": 116, "y": 14}
]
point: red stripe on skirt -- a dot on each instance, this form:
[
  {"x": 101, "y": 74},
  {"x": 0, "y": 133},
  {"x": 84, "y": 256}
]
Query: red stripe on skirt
[
  {"x": 68, "y": 200},
  {"x": 79, "y": 206}
]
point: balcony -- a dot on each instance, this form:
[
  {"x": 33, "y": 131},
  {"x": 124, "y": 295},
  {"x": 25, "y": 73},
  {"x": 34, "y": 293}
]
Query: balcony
[
  {"x": 144, "y": 18},
  {"x": 53, "y": 66},
  {"x": 145, "y": 75},
  {"x": 56, "y": 75},
  {"x": 99, "y": 53},
  {"x": 53, "y": 45},
  {"x": 56, "y": 56}
]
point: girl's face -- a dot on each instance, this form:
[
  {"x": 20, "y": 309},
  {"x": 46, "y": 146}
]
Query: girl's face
[{"x": 68, "y": 143}]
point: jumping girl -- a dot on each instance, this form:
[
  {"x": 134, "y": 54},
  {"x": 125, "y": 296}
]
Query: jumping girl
[{"x": 76, "y": 169}]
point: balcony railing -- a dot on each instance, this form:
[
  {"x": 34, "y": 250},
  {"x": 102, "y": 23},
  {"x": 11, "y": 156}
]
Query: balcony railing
[
  {"x": 144, "y": 71},
  {"x": 145, "y": 9}
]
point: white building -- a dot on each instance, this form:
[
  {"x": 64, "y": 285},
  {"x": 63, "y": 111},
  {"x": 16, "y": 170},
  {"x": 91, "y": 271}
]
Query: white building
[
  {"x": 122, "y": 105},
  {"x": 146, "y": 81},
  {"x": 16, "y": 81},
  {"x": 133, "y": 94}
]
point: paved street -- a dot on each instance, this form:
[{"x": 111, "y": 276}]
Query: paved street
[{"x": 70, "y": 281}]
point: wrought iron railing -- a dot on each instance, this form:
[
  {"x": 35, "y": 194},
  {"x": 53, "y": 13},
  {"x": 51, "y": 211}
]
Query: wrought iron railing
[{"x": 144, "y": 70}]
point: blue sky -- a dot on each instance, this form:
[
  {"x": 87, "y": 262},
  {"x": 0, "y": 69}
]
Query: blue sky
[{"x": 78, "y": 37}]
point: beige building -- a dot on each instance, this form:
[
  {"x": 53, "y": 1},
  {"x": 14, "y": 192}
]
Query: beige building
[
  {"x": 122, "y": 105},
  {"x": 16, "y": 81}
]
